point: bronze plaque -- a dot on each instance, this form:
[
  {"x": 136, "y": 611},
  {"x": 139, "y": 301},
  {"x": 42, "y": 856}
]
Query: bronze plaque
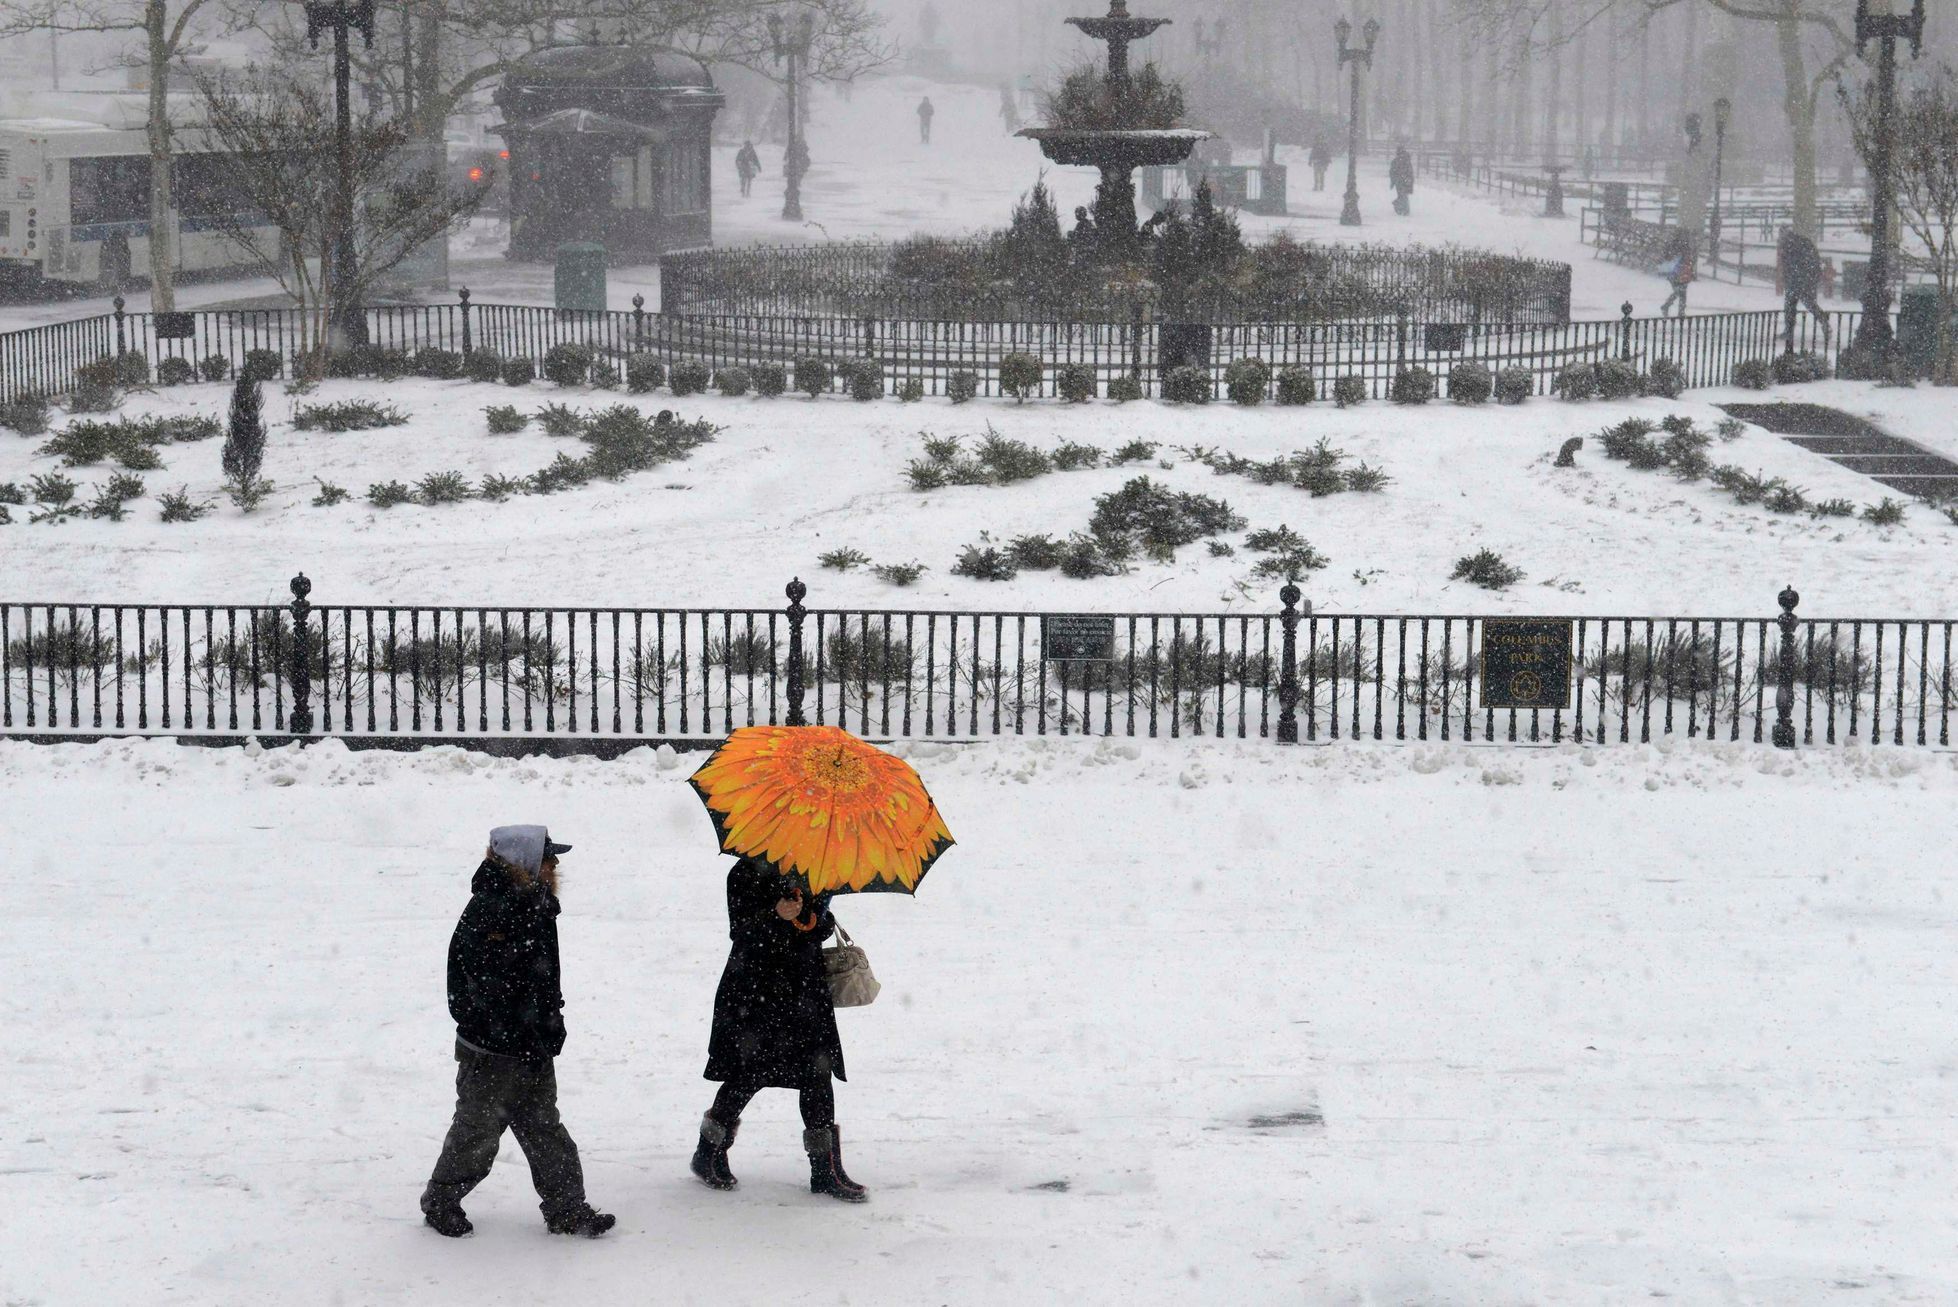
[{"x": 1526, "y": 662}]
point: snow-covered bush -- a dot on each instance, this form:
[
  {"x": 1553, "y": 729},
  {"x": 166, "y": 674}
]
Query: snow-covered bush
[
  {"x": 912, "y": 391},
  {"x": 1124, "y": 389},
  {"x": 438, "y": 364},
  {"x": 346, "y": 415},
  {"x": 985, "y": 563},
  {"x": 1514, "y": 385},
  {"x": 1247, "y": 380},
  {"x": 26, "y": 414},
  {"x": 605, "y": 374},
  {"x": 1666, "y": 379},
  {"x": 1188, "y": 384},
  {"x": 1075, "y": 382},
  {"x": 1019, "y": 376},
  {"x": 813, "y": 376},
  {"x": 263, "y": 364},
  {"x": 505, "y": 419},
  {"x": 1295, "y": 386},
  {"x": 961, "y": 386},
  {"x": 1414, "y": 385},
  {"x": 732, "y": 381},
  {"x": 1619, "y": 379},
  {"x": 567, "y": 364},
  {"x": 1349, "y": 390},
  {"x": 175, "y": 372},
  {"x": 644, "y": 374},
  {"x": 1575, "y": 381},
  {"x": 689, "y": 377},
  {"x": 388, "y": 494},
  {"x": 1470, "y": 383},
  {"x": 214, "y": 367},
  {"x": 1753, "y": 374},
  {"x": 771, "y": 379},
  {"x": 484, "y": 366},
  {"x": 519, "y": 372},
  {"x": 1788, "y": 369},
  {"x": 866, "y": 380},
  {"x": 1486, "y": 568}
]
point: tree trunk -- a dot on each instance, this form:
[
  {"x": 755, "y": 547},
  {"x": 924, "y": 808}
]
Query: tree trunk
[
  {"x": 1525, "y": 100},
  {"x": 1798, "y": 103},
  {"x": 1465, "y": 70},
  {"x": 1554, "y": 106},
  {"x": 1438, "y": 68},
  {"x": 163, "y": 285},
  {"x": 1689, "y": 92},
  {"x": 1611, "y": 52},
  {"x": 1581, "y": 98},
  {"x": 1645, "y": 89}
]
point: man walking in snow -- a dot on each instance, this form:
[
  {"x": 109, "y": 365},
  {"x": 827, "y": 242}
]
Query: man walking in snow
[
  {"x": 1321, "y": 158},
  {"x": 747, "y": 164},
  {"x": 506, "y": 998},
  {"x": 1799, "y": 264},
  {"x": 1400, "y": 176},
  {"x": 925, "y": 112}
]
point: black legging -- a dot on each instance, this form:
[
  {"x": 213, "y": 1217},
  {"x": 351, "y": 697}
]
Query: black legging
[{"x": 818, "y": 1099}]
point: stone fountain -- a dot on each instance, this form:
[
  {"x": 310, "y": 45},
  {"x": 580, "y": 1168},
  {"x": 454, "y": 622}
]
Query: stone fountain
[{"x": 1116, "y": 151}]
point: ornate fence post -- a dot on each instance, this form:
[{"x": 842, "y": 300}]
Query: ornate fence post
[
  {"x": 122, "y": 343},
  {"x": 638, "y": 323},
  {"x": 1135, "y": 339},
  {"x": 1784, "y": 693},
  {"x": 300, "y": 720},
  {"x": 1625, "y": 330},
  {"x": 796, "y": 591},
  {"x": 1288, "y": 678},
  {"x": 463, "y": 294},
  {"x": 869, "y": 337}
]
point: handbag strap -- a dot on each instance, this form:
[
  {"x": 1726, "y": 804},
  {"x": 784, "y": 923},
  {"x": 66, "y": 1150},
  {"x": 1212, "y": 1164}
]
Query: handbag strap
[{"x": 844, "y": 935}]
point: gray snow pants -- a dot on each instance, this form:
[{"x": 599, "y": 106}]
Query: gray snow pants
[{"x": 497, "y": 1093}]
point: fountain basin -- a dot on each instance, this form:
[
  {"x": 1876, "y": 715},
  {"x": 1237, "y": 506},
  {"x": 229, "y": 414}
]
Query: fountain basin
[{"x": 1089, "y": 147}]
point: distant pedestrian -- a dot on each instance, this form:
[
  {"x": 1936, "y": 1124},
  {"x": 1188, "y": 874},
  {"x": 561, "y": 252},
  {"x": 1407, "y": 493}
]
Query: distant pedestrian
[
  {"x": 1680, "y": 269},
  {"x": 775, "y": 1026},
  {"x": 1321, "y": 158},
  {"x": 1009, "y": 111},
  {"x": 1400, "y": 176},
  {"x": 747, "y": 166},
  {"x": 507, "y": 1001},
  {"x": 1798, "y": 266},
  {"x": 925, "y": 113}
]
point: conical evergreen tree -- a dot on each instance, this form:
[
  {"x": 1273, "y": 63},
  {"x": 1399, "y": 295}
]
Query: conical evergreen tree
[{"x": 244, "y": 440}]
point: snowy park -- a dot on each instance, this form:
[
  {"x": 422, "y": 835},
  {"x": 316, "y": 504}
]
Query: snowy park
[{"x": 875, "y": 652}]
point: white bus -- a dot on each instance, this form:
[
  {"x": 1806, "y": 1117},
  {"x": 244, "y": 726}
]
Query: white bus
[{"x": 75, "y": 204}]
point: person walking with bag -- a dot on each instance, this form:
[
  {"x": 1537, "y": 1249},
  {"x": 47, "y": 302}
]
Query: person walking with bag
[
  {"x": 508, "y": 1004},
  {"x": 1680, "y": 270},
  {"x": 775, "y": 1026},
  {"x": 747, "y": 166}
]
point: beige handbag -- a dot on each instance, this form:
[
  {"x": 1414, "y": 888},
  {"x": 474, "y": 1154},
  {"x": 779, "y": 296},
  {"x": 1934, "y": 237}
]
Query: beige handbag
[{"x": 848, "y": 968}]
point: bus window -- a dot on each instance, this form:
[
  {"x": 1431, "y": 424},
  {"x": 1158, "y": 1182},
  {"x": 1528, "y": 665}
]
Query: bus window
[{"x": 109, "y": 190}]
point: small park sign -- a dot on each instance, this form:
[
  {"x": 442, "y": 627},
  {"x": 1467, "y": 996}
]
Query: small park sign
[
  {"x": 1077, "y": 638},
  {"x": 1526, "y": 662}
]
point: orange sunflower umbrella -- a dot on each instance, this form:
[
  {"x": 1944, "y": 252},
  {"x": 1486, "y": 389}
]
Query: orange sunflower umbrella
[{"x": 817, "y": 803}]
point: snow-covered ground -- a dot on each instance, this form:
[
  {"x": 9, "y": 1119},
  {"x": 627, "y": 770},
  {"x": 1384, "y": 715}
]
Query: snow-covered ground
[
  {"x": 789, "y": 479},
  {"x": 1171, "y": 1024}
]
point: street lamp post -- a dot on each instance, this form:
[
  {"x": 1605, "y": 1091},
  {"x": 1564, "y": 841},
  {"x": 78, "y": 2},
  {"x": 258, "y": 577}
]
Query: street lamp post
[
  {"x": 1723, "y": 110},
  {"x": 791, "y": 42},
  {"x": 1879, "y": 21},
  {"x": 349, "y": 325},
  {"x": 1349, "y": 214}
]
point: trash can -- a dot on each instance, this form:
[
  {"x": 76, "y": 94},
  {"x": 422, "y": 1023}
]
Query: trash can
[
  {"x": 579, "y": 281},
  {"x": 1917, "y": 329}
]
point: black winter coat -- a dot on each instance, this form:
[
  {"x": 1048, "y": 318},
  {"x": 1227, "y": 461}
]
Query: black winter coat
[
  {"x": 504, "y": 987},
  {"x": 774, "y": 1023}
]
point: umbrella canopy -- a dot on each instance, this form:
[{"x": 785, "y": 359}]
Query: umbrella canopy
[{"x": 819, "y": 804}]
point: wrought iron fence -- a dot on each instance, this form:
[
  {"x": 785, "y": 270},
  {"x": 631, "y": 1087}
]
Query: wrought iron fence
[
  {"x": 606, "y": 679},
  {"x": 44, "y": 360}
]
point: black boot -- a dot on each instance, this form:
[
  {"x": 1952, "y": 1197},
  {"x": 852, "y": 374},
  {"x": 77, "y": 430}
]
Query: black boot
[
  {"x": 447, "y": 1219},
  {"x": 710, "y": 1158},
  {"x": 825, "y": 1149},
  {"x": 579, "y": 1218}
]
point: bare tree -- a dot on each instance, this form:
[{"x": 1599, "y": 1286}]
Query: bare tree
[
  {"x": 273, "y": 130},
  {"x": 1924, "y": 169},
  {"x": 166, "y": 27}
]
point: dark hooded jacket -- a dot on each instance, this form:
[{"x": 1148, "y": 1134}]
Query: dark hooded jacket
[
  {"x": 504, "y": 987},
  {"x": 774, "y": 1023}
]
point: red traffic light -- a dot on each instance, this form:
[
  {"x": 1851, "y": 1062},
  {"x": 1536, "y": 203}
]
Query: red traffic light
[{"x": 475, "y": 174}]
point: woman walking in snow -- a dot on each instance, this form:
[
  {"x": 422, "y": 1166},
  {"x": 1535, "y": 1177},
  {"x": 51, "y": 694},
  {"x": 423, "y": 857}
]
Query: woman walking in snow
[{"x": 775, "y": 1026}]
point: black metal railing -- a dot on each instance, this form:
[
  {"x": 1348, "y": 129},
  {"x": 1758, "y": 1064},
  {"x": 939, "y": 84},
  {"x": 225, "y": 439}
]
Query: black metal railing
[
  {"x": 44, "y": 360},
  {"x": 593, "y": 679}
]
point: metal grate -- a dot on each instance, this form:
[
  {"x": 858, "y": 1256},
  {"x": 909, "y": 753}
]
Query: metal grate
[{"x": 6, "y": 164}]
